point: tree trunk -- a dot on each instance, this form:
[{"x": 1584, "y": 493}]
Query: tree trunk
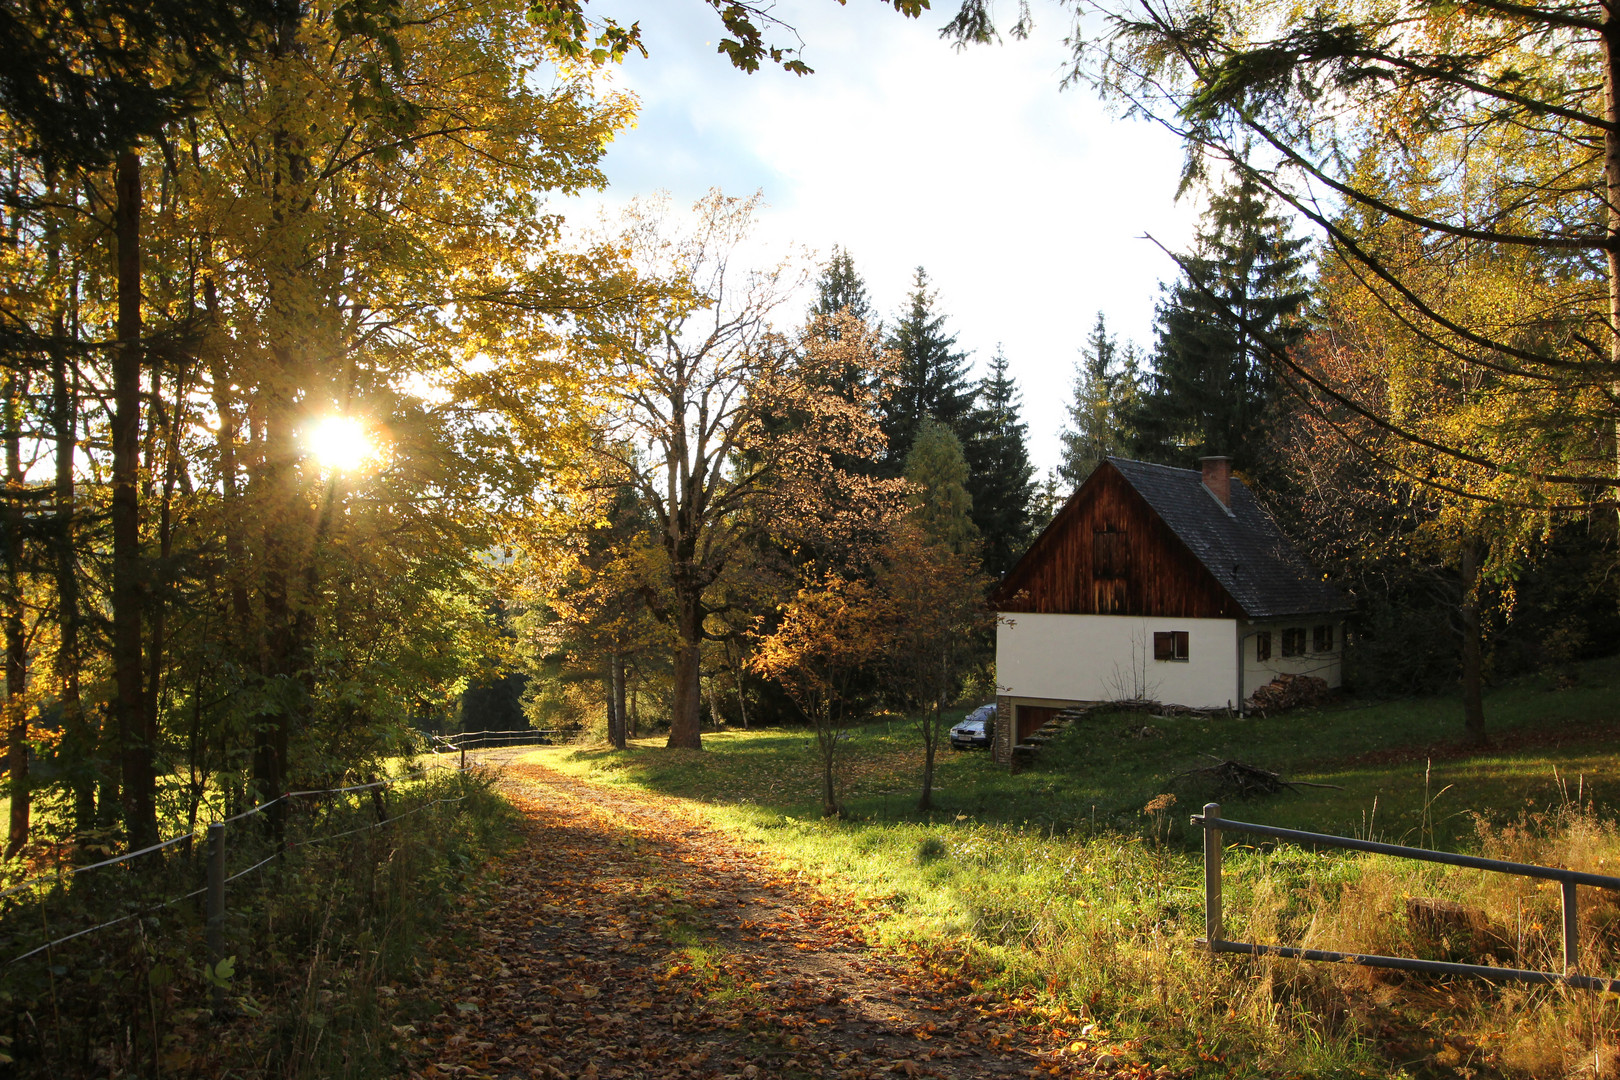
[
  {"x": 685, "y": 719},
  {"x": 1473, "y": 664},
  {"x": 225, "y": 441},
  {"x": 77, "y": 733},
  {"x": 736, "y": 675},
  {"x": 829, "y": 751},
  {"x": 134, "y": 726},
  {"x": 168, "y": 441},
  {"x": 617, "y": 720},
  {"x": 16, "y": 708},
  {"x": 930, "y": 743},
  {"x": 284, "y": 515},
  {"x": 1611, "y": 184}
]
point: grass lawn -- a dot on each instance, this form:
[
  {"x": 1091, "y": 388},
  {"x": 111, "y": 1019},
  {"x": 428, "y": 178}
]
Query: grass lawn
[
  {"x": 1551, "y": 746},
  {"x": 1058, "y": 888}
]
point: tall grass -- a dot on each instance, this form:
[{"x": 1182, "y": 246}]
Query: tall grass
[
  {"x": 319, "y": 939},
  {"x": 1098, "y": 926}
]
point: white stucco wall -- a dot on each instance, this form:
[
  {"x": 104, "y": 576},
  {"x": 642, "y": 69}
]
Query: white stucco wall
[
  {"x": 1328, "y": 666},
  {"x": 1110, "y": 657}
]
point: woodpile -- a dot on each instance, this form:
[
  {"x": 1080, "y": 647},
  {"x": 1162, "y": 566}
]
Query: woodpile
[{"x": 1289, "y": 692}]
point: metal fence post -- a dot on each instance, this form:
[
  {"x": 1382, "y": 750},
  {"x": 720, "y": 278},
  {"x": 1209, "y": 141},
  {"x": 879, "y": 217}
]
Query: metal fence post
[
  {"x": 216, "y": 908},
  {"x": 1572, "y": 930},
  {"x": 1213, "y": 930}
]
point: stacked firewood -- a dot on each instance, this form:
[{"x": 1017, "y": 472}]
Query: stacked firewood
[{"x": 1288, "y": 692}]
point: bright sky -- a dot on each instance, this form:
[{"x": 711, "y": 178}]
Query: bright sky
[{"x": 1026, "y": 204}]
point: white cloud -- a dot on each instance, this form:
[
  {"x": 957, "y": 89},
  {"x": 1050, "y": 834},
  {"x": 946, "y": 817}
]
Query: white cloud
[{"x": 1026, "y": 205}]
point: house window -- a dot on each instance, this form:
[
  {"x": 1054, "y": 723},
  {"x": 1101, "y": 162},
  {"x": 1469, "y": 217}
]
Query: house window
[
  {"x": 1322, "y": 638},
  {"x": 1262, "y": 645},
  {"x": 1110, "y": 554},
  {"x": 1170, "y": 645},
  {"x": 1294, "y": 641}
]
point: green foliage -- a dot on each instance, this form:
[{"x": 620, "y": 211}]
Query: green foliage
[
  {"x": 1212, "y": 391},
  {"x": 931, "y": 380},
  {"x": 841, "y": 289},
  {"x": 940, "y": 502},
  {"x": 1000, "y": 476},
  {"x": 1107, "y": 390}
]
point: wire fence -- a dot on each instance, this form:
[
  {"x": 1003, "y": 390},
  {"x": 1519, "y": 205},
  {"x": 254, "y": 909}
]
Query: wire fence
[
  {"x": 477, "y": 740},
  {"x": 217, "y": 878}
]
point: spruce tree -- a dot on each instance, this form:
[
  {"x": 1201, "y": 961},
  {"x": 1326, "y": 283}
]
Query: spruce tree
[
  {"x": 1107, "y": 383},
  {"x": 1239, "y": 296},
  {"x": 840, "y": 288},
  {"x": 1048, "y": 501},
  {"x": 1000, "y": 476},
  {"x": 932, "y": 381},
  {"x": 941, "y": 505}
]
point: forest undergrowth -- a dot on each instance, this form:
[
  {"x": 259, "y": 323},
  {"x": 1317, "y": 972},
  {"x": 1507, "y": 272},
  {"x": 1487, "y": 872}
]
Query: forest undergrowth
[{"x": 347, "y": 906}]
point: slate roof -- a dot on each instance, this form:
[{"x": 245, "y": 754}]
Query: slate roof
[{"x": 1244, "y": 549}]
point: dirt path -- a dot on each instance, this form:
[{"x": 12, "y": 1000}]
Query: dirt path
[{"x": 630, "y": 940}]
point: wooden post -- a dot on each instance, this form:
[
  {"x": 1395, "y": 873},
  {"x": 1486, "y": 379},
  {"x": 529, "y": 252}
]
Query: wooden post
[
  {"x": 216, "y": 908},
  {"x": 463, "y": 749},
  {"x": 1572, "y": 930},
  {"x": 1213, "y": 929}
]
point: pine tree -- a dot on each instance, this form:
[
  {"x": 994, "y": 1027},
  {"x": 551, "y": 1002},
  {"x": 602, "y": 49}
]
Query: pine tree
[
  {"x": 840, "y": 288},
  {"x": 1106, "y": 387},
  {"x": 1000, "y": 476},
  {"x": 932, "y": 381},
  {"x": 941, "y": 505},
  {"x": 1212, "y": 387}
]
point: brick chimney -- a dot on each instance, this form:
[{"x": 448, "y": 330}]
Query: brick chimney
[{"x": 1218, "y": 478}]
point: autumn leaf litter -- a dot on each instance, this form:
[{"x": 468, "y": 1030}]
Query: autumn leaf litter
[{"x": 627, "y": 938}]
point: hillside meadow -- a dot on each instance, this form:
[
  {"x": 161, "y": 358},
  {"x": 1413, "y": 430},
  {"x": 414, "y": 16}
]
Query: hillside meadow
[{"x": 1055, "y": 886}]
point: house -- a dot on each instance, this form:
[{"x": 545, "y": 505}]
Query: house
[{"x": 1160, "y": 584}]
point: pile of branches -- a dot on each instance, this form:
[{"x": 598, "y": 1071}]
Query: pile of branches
[
  {"x": 1289, "y": 692},
  {"x": 1228, "y": 779}
]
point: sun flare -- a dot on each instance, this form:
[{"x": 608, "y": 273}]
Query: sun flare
[{"x": 340, "y": 444}]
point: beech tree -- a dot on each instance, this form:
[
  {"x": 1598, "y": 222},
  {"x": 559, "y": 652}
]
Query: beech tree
[
  {"x": 335, "y": 233},
  {"x": 740, "y": 432}
]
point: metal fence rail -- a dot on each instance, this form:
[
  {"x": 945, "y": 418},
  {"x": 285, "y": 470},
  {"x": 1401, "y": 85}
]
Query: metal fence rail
[{"x": 1214, "y": 926}]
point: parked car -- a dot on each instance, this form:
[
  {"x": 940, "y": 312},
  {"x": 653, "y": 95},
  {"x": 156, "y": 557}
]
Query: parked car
[{"x": 976, "y": 729}]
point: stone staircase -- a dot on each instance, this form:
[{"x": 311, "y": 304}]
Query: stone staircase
[{"x": 1025, "y": 751}]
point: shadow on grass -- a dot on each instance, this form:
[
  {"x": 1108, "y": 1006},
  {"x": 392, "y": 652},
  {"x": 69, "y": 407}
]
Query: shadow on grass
[{"x": 1400, "y": 769}]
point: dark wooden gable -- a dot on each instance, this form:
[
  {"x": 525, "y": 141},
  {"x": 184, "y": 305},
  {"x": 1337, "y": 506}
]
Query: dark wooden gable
[{"x": 1108, "y": 553}]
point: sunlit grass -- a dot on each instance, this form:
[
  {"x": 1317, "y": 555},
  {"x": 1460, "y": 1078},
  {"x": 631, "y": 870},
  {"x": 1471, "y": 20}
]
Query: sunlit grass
[{"x": 1054, "y": 884}]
